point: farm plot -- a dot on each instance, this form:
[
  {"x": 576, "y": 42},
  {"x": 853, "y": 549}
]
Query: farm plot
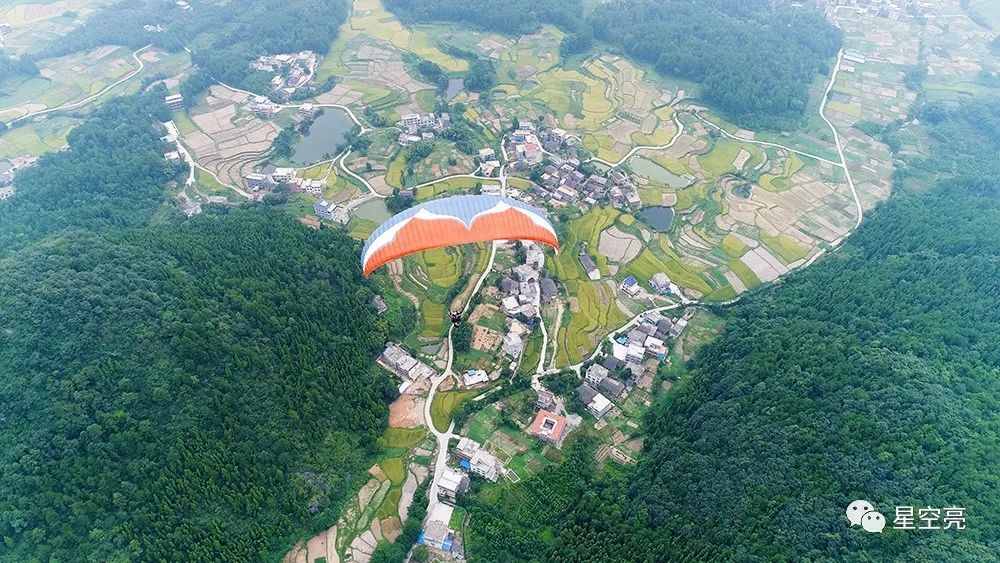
[
  {"x": 66, "y": 79},
  {"x": 228, "y": 140}
]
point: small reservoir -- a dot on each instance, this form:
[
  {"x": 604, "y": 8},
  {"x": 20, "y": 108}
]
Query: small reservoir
[
  {"x": 373, "y": 210},
  {"x": 653, "y": 171},
  {"x": 455, "y": 85},
  {"x": 326, "y": 132},
  {"x": 659, "y": 217}
]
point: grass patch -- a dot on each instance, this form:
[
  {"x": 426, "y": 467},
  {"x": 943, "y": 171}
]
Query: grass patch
[
  {"x": 395, "y": 469},
  {"x": 184, "y": 123},
  {"x": 746, "y": 275},
  {"x": 733, "y": 246},
  {"x": 360, "y": 229},
  {"x": 390, "y": 504},
  {"x": 402, "y": 438},
  {"x": 596, "y": 312},
  {"x": 445, "y": 404},
  {"x": 780, "y": 182},
  {"x": 663, "y": 259},
  {"x": 483, "y": 423}
]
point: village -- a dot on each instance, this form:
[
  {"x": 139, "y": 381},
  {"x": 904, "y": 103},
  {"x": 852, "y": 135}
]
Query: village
[{"x": 507, "y": 435}]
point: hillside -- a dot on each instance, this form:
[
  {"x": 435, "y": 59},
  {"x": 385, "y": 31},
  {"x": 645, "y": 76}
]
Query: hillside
[
  {"x": 173, "y": 391},
  {"x": 873, "y": 374},
  {"x": 755, "y": 60}
]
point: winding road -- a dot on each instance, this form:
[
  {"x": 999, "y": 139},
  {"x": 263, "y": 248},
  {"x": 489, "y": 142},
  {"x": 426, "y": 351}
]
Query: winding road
[
  {"x": 92, "y": 97},
  {"x": 631, "y": 153},
  {"x": 443, "y": 438}
]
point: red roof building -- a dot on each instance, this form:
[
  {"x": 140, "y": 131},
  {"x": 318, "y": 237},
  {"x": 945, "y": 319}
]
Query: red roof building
[{"x": 549, "y": 427}]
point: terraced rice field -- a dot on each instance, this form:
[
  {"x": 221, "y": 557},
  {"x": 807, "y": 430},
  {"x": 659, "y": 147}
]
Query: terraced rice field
[{"x": 592, "y": 313}]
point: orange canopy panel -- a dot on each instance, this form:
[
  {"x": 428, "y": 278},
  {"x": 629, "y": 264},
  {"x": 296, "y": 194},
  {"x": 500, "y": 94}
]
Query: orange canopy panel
[{"x": 455, "y": 220}]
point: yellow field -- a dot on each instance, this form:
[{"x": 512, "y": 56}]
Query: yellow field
[
  {"x": 665, "y": 129},
  {"x": 37, "y": 137},
  {"x": 570, "y": 91},
  {"x": 381, "y": 24},
  {"x": 733, "y": 246},
  {"x": 443, "y": 266},
  {"x": 666, "y": 260}
]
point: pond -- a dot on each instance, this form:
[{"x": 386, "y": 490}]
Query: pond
[
  {"x": 653, "y": 171},
  {"x": 326, "y": 133},
  {"x": 455, "y": 85},
  {"x": 373, "y": 210},
  {"x": 659, "y": 217}
]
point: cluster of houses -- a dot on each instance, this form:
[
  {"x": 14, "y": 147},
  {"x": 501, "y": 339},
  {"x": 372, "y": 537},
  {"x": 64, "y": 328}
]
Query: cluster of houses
[
  {"x": 889, "y": 9},
  {"x": 472, "y": 459},
  {"x": 262, "y": 106},
  {"x": 631, "y": 353},
  {"x": 397, "y": 360},
  {"x": 521, "y": 295},
  {"x": 418, "y": 127},
  {"x": 527, "y": 148},
  {"x": 293, "y": 70},
  {"x": 563, "y": 181},
  {"x": 488, "y": 163},
  {"x": 660, "y": 284},
  {"x": 7, "y": 177},
  {"x": 332, "y": 211},
  {"x": 270, "y": 177}
]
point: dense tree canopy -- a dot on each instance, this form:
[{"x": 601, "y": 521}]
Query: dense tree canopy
[
  {"x": 510, "y": 16},
  {"x": 755, "y": 59},
  {"x": 16, "y": 67},
  {"x": 111, "y": 174},
  {"x": 873, "y": 374},
  {"x": 196, "y": 391},
  {"x": 229, "y": 37}
]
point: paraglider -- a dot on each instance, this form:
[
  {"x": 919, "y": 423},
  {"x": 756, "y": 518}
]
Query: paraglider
[{"x": 452, "y": 221}]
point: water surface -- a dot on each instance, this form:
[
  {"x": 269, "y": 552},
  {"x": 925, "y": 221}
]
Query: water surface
[
  {"x": 326, "y": 133},
  {"x": 659, "y": 217},
  {"x": 653, "y": 171}
]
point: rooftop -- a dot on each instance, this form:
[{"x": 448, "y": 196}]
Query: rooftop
[{"x": 548, "y": 425}]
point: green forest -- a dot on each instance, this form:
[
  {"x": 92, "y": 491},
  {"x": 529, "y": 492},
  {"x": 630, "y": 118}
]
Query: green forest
[
  {"x": 223, "y": 41},
  {"x": 754, "y": 59},
  {"x": 512, "y": 16},
  {"x": 173, "y": 390},
  {"x": 874, "y": 374}
]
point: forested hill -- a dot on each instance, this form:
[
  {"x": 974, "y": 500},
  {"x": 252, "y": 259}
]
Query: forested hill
[
  {"x": 755, "y": 59},
  {"x": 174, "y": 391},
  {"x": 509, "y": 16},
  {"x": 111, "y": 175},
  {"x": 874, "y": 374},
  {"x": 228, "y": 36}
]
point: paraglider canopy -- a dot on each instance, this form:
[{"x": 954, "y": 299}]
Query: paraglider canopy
[{"x": 452, "y": 221}]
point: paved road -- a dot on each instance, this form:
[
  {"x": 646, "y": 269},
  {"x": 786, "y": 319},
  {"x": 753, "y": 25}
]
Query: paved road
[
  {"x": 88, "y": 99},
  {"x": 765, "y": 143},
  {"x": 836, "y": 139},
  {"x": 444, "y": 437},
  {"x": 680, "y": 129}
]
